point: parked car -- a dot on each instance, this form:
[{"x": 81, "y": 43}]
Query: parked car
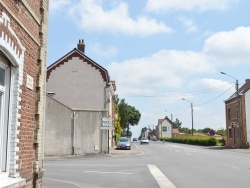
[
  {"x": 144, "y": 140},
  {"x": 124, "y": 143},
  {"x": 134, "y": 139}
]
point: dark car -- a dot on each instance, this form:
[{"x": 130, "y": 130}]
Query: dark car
[
  {"x": 124, "y": 143},
  {"x": 134, "y": 139}
]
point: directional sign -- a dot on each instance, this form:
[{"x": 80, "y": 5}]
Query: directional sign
[
  {"x": 107, "y": 120},
  {"x": 107, "y": 124},
  {"x": 107, "y": 128}
]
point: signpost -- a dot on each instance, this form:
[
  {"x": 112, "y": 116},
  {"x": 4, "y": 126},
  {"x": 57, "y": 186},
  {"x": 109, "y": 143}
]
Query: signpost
[
  {"x": 107, "y": 122},
  {"x": 107, "y": 128}
]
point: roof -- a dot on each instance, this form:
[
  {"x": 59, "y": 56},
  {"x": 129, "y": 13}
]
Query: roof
[
  {"x": 242, "y": 90},
  {"x": 167, "y": 119},
  {"x": 78, "y": 53},
  {"x": 176, "y": 131}
]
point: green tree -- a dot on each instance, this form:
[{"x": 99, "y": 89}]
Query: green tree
[
  {"x": 117, "y": 125},
  {"x": 221, "y": 132},
  {"x": 178, "y": 123},
  {"x": 143, "y": 131},
  {"x": 129, "y": 115}
]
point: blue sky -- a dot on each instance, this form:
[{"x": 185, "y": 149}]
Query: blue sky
[{"x": 160, "y": 51}]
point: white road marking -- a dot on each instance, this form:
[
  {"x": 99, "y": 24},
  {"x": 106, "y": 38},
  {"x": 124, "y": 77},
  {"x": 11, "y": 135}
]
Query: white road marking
[
  {"x": 188, "y": 154},
  {"x": 190, "y": 150},
  {"x": 161, "y": 179},
  {"x": 139, "y": 149},
  {"x": 125, "y": 173},
  {"x": 235, "y": 167},
  {"x": 177, "y": 150},
  {"x": 64, "y": 182}
]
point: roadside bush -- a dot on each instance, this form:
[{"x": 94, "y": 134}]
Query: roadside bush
[{"x": 201, "y": 141}]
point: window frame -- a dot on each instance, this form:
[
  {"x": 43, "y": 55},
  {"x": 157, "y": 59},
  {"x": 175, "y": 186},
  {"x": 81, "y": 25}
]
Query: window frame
[{"x": 4, "y": 116}]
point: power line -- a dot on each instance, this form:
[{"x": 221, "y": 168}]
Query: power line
[
  {"x": 214, "y": 98},
  {"x": 205, "y": 102},
  {"x": 176, "y": 95}
]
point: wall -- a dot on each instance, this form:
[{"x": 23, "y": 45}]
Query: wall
[
  {"x": 65, "y": 131},
  {"x": 168, "y": 133},
  {"x": 58, "y": 129},
  {"x": 24, "y": 42},
  {"x": 76, "y": 75},
  {"x": 247, "y": 113}
]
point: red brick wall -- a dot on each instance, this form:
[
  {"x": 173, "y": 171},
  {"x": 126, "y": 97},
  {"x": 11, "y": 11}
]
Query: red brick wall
[{"x": 26, "y": 26}]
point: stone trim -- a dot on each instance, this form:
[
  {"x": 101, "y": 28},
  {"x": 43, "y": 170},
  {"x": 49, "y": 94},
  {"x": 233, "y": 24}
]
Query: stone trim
[
  {"x": 84, "y": 58},
  {"x": 14, "y": 50},
  {"x": 16, "y": 19}
]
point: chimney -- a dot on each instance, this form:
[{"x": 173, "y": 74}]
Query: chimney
[
  {"x": 247, "y": 80},
  {"x": 81, "y": 46}
]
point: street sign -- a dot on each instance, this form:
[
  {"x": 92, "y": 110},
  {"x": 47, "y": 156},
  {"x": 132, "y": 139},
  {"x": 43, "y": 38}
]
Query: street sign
[
  {"x": 107, "y": 120},
  {"x": 107, "y": 128},
  {"x": 107, "y": 124}
]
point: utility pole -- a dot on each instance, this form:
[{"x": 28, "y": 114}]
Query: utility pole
[{"x": 192, "y": 116}]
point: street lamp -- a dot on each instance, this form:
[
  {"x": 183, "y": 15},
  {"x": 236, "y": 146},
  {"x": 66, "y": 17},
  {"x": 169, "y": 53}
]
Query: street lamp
[
  {"x": 238, "y": 106},
  {"x": 171, "y": 115},
  {"x": 191, "y": 115}
]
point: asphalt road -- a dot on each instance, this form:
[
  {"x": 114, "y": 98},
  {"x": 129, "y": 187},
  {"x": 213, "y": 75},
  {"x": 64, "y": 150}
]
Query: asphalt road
[{"x": 155, "y": 165}]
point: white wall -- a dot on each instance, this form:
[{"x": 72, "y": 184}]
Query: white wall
[
  {"x": 168, "y": 132},
  {"x": 247, "y": 101}
]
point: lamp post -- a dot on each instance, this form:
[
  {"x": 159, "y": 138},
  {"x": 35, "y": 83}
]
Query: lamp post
[
  {"x": 191, "y": 115},
  {"x": 238, "y": 107},
  {"x": 171, "y": 115}
]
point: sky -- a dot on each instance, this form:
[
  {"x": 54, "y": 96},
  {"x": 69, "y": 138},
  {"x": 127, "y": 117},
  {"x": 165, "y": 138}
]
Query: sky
[{"x": 160, "y": 52}]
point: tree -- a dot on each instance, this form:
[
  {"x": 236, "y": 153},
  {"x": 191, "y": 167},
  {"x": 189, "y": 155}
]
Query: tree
[
  {"x": 143, "y": 131},
  {"x": 117, "y": 125},
  {"x": 221, "y": 132},
  {"x": 129, "y": 115},
  {"x": 178, "y": 123}
]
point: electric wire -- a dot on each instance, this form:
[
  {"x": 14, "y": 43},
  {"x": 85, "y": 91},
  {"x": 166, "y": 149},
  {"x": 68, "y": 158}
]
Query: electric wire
[{"x": 176, "y": 95}]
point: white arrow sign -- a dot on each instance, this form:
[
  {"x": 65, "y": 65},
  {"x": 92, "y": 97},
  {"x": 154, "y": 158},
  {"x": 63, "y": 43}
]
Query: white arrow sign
[
  {"x": 107, "y": 128},
  {"x": 107, "y": 120},
  {"x": 107, "y": 124}
]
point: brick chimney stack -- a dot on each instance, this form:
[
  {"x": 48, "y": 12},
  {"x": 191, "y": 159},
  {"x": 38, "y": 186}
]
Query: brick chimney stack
[{"x": 81, "y": 46}]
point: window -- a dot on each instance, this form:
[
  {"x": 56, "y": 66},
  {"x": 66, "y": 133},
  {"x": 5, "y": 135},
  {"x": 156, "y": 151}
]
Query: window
[
  {"x": 4, "y": 110},
  {"x": 228, "y": 114},
  {"x": 230, "y": 133}
]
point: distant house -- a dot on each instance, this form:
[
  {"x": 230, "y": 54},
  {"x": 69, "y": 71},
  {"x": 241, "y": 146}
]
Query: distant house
[
  {"x": 236, "y": 137},
  {"x": 166, "y": 128},
  {"x": 79, "y": 96}
]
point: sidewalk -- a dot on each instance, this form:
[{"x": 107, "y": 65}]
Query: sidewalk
[
  {"x": 113, "y": 152},
  {"x": 236, "y": 150}
]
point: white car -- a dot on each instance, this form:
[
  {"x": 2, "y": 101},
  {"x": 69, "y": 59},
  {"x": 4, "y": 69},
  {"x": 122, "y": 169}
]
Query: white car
[{"x": 144, "y": 140}]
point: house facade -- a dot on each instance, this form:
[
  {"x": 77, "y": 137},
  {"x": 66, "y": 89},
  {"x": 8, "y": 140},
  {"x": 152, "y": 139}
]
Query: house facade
[
  {"x": 23, "y": 43},
  {"x": 166, "y": 128},
  {"x": 238, "y": 128},
  {"x": 80, "y": 96}
]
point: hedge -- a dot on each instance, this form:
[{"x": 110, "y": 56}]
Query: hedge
[{"x": 201, "y": 141}]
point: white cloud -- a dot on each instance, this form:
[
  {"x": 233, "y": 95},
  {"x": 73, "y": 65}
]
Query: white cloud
[
  {"x": 229, "y": 47},
  {"x": 163, "y": 69},
  {"x": 211, "y": 83},
  {"x": 90, "y": 15},
  {"x": 189, "y": 24},
  {"x": 175, "y": 5},
  {"x": 106, "y": 51},
  {"x": 172, "y": 69},
  {"x": 56, "y": 5}
]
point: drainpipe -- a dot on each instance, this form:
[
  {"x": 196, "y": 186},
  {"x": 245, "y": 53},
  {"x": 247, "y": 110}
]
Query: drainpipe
[{"x": 74, "y": 129}]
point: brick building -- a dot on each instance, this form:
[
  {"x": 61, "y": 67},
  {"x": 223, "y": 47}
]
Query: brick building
[
  {"x": 238, "y": 128},
  {"x": 23, "y": 41}
]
